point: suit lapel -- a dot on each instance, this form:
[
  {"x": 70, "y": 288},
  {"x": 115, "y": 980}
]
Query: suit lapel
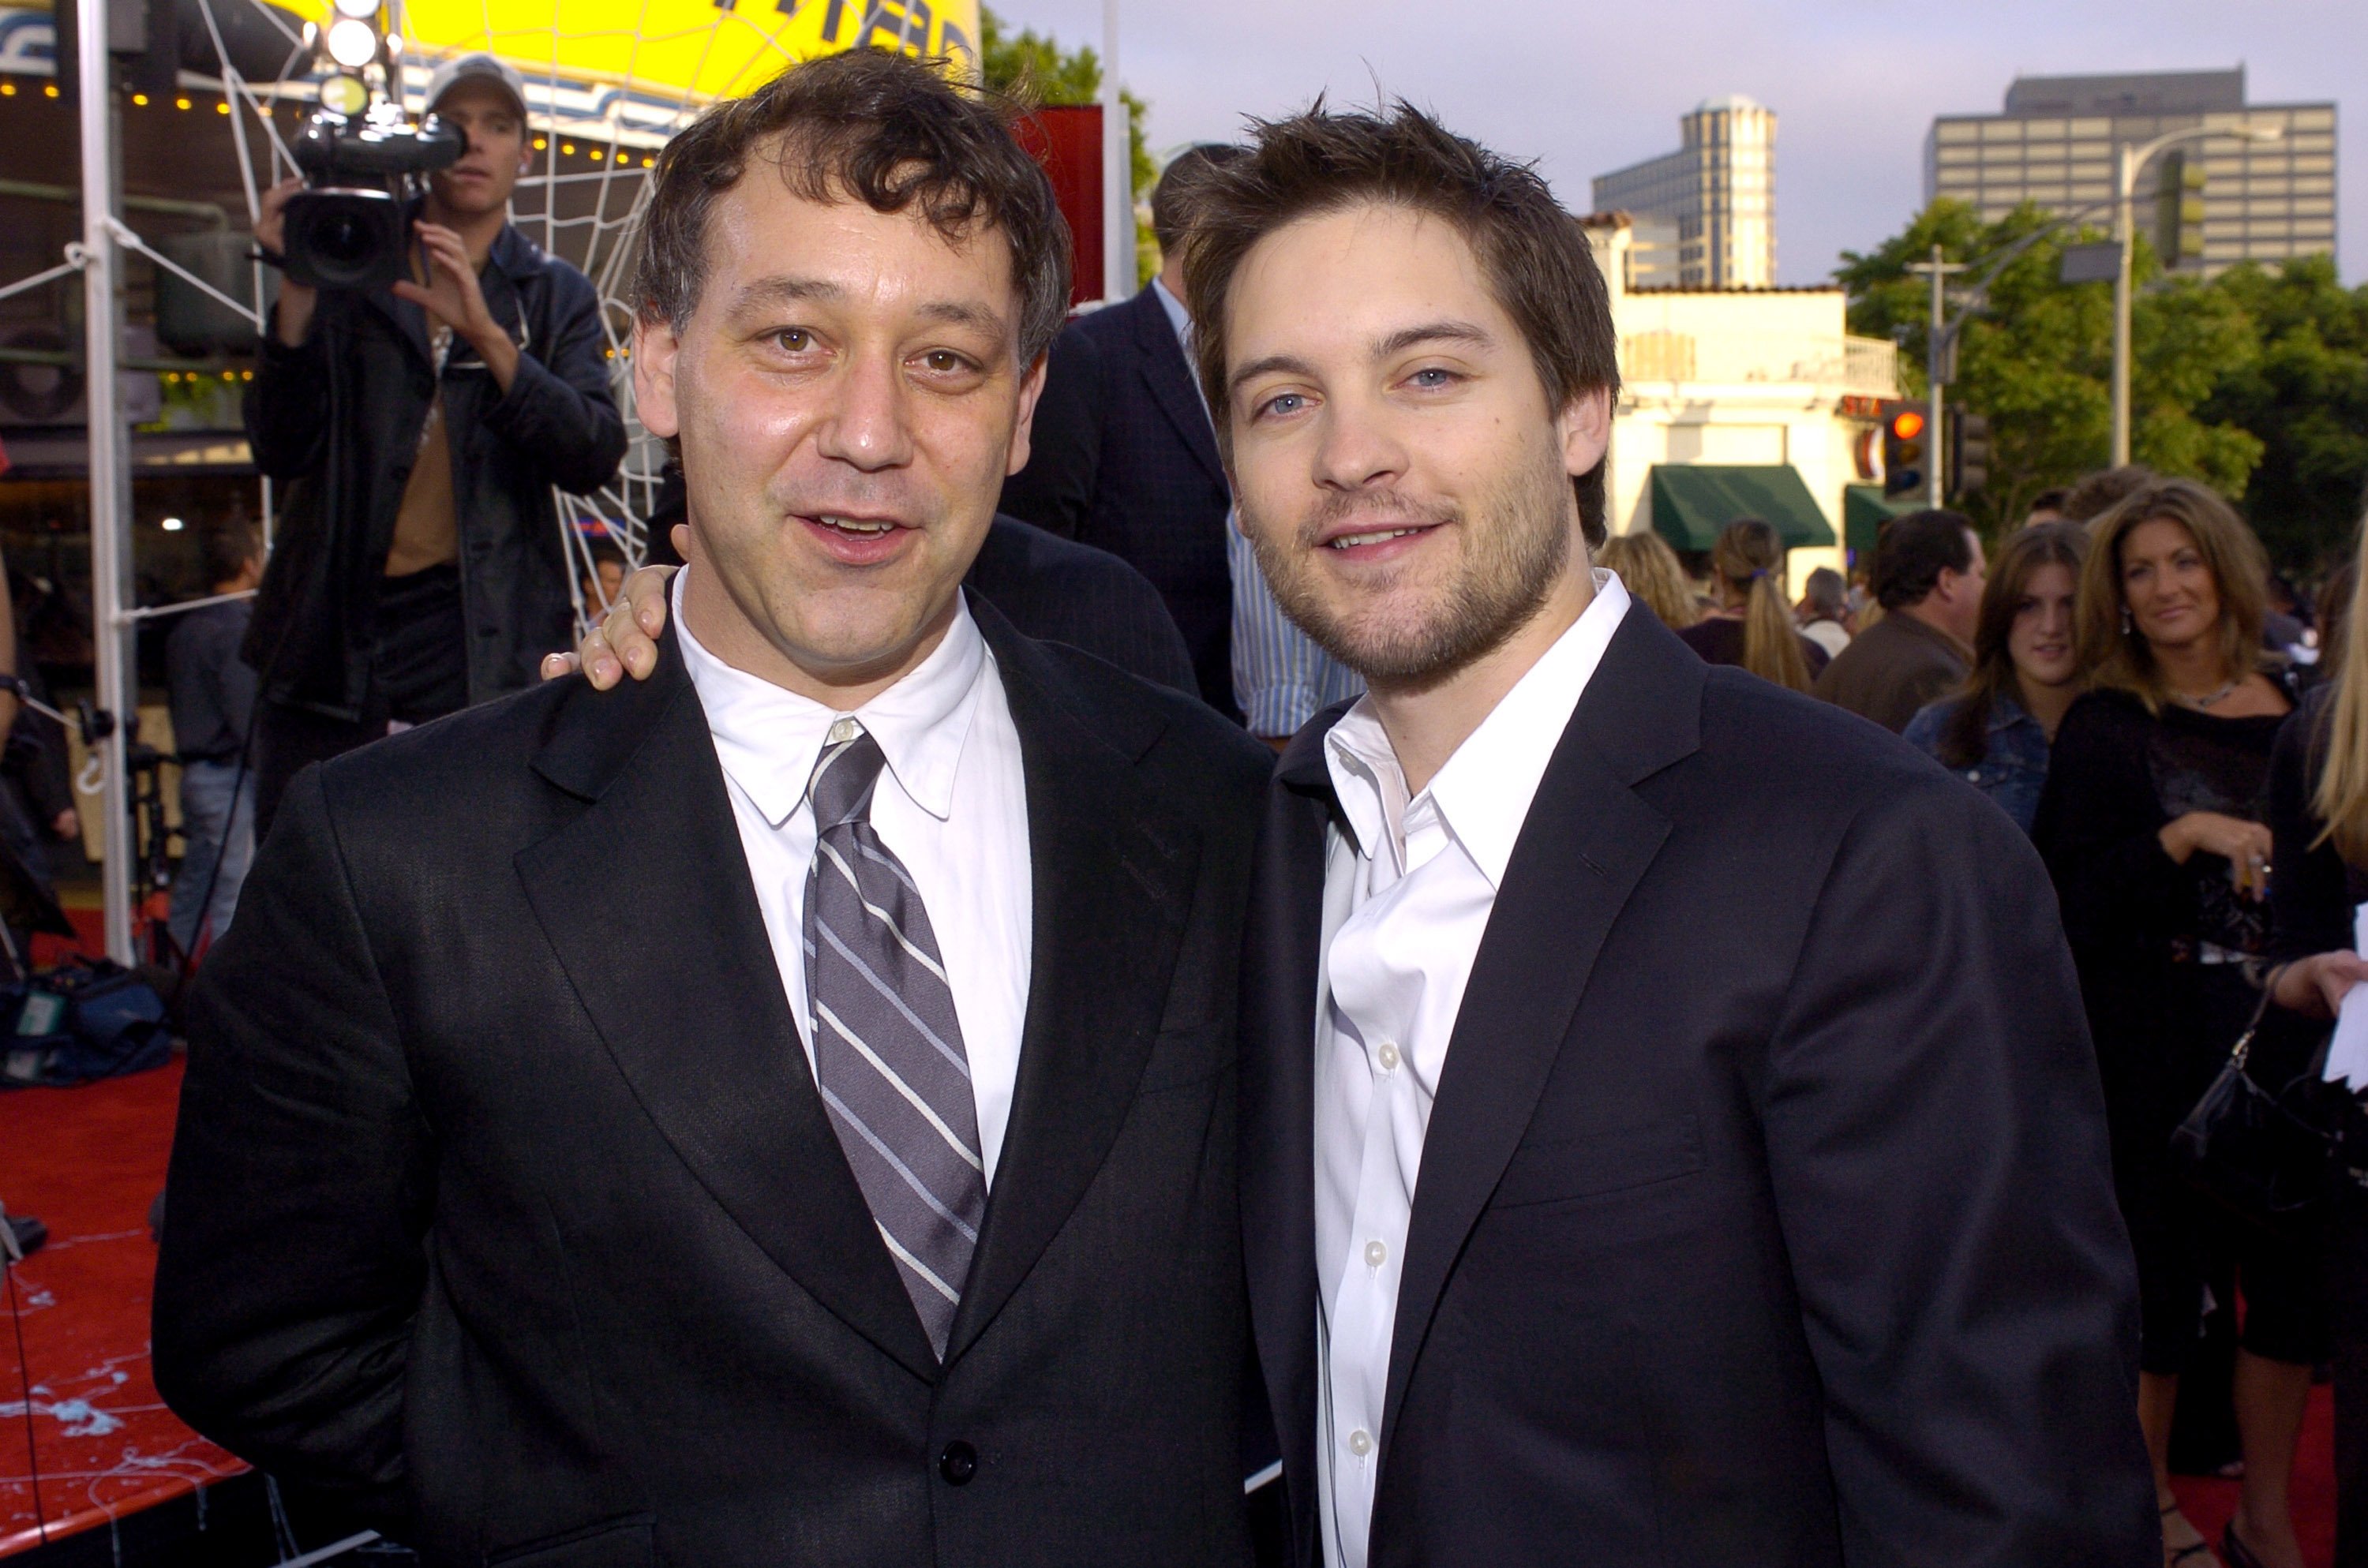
[
  {"x": 1113, "y": 873},
  {"x": 1169, "y": 377},
  {"x": 702, "y": 1030},
  {"x": 1279, "y": 962},
  {"x": 1584, "y": 846}
]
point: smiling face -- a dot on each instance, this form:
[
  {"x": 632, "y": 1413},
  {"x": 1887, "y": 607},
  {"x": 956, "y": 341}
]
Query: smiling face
[
  {"x": 2172, "y": 596},
  {"x": 1396, "y": 463},
  {"x": 2041, "y": 641},
  {"x": 848, "y": 396},
  {"x": 483, "y": 178}
]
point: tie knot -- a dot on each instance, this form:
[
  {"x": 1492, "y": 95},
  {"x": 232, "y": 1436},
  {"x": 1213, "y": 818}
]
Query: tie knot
[{"x": 844, "y": 777}]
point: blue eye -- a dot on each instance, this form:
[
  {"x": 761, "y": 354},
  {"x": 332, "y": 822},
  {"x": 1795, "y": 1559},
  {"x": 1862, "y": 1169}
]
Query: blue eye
[
  {"x": 1433, "y": 377},
  {"x": 1288, "y": 403}
]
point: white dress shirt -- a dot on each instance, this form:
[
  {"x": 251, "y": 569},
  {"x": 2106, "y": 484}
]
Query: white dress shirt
[
  {"x": 1406, "y": 897},
  {"x": 952, "y": 804}
]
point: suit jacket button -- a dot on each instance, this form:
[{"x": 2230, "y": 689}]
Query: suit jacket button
[{"x": 958, "y": 1463}]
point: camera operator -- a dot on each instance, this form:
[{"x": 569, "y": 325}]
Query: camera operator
[{"x": 419, "y": 567}]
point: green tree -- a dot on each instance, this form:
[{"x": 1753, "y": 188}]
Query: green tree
[
  {"x": 2305, "y": 394},
  {"x": 1033, "y": 68},
  {"x": 2036, "y": 360}
]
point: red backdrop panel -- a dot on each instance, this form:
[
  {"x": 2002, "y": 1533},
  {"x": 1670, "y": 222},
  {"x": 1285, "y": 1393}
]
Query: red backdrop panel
[{"x": 1068, "y": 142}]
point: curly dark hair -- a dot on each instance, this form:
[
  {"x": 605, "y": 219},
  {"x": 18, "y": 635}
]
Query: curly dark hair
[{"x": 883, "y": 128}]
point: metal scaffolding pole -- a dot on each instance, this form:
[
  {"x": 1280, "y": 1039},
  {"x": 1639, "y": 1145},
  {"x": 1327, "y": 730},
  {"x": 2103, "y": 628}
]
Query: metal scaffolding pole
[{"x": 110, "y": 466}]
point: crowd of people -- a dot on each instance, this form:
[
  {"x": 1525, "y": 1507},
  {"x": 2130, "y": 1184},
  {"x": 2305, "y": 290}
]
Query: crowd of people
[{"x": 1799, "y": 1191}]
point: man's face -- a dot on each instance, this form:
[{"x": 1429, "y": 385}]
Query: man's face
[
  {"x": 482, "y": 180},
  {"x": 848, "y": 397},
  {"x": 1961, "y": 593},
  {"x": 1396, "y": 463}
]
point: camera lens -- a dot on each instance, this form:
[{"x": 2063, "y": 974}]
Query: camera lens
[{"x": 342, "y": 240}]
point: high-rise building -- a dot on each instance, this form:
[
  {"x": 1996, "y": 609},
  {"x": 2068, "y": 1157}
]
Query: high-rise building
[
  {"x": 1719, "y": 188},
  {"x": 2207, "y": 204}
]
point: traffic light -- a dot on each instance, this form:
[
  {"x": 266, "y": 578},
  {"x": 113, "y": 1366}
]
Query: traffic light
[
  {"x": 1969, "y": 453},
  {"x": 1905, "y": 444}
]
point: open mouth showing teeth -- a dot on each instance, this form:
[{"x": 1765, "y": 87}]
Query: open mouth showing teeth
[
  {"x": 861, "y": 528},
  {"x": 1350, "y": 541}
]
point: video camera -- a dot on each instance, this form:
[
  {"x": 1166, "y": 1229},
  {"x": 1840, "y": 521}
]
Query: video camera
[{"x": 346, "y": 230}]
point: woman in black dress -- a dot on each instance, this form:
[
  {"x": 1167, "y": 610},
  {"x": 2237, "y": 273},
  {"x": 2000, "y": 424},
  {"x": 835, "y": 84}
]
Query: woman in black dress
[
  {"x": 2152, "y": 823},
  {"x": 1752, "y": 626},
  {"x": 2318, "y": 814}
]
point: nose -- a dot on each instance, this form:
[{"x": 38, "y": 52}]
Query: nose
[
  {"x": 1356, "y": 444},
  {"x": 870, "y": 426}
]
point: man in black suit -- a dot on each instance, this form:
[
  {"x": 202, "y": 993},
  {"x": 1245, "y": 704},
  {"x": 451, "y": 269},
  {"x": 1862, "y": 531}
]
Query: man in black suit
[
  {"x": 1764, "y": 1214},
  {"x": 1123, "y": 457},
  {"x": 896, "y": 1222}
]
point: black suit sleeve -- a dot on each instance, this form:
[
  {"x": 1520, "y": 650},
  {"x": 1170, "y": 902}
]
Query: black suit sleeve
[
  {"x": 292, "y": 1263},
  {"x": 287, "y": 405},
  {"x": 1055, "y": 491},
  {"x": 1936, "y": 1142}
]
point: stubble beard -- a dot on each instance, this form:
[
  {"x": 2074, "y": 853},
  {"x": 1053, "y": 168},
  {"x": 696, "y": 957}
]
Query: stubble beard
[{"x": 1510, "y": 564}]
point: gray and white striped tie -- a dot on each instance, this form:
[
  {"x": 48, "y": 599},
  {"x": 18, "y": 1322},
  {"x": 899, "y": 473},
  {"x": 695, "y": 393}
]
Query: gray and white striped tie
[{"x": 888, "y": 1048}]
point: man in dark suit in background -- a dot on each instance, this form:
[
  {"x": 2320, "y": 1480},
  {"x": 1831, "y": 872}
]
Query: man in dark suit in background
[
  {"x": 894, "y": 1222},
  {"x": 1764, "y": 1215},
  {"x": 1123, "y": 457}
]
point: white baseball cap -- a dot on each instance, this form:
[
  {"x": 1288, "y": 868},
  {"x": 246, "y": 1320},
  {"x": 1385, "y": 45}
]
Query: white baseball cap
[{"x": 477, "y": 67}]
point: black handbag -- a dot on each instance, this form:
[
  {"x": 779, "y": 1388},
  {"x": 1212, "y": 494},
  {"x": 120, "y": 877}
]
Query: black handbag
[{"x": 2266, "y": 1155}]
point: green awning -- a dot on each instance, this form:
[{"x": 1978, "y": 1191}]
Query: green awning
[
  {"x": 1865, "y": 510},
  {"x": 1692, "y": 502}
]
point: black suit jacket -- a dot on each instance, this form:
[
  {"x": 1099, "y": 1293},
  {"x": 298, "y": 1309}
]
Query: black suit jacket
[
  {"x": 551, "y": 1259},
  {"x": 1764, "y": 1215},
  {"x": 1121, "y": 456},
  {"x": 1057, "y": 590}
]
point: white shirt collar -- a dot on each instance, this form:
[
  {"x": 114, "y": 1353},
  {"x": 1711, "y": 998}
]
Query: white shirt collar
[
  {"x": 768, "y": 737},
  {"x": 1178, "y": 316},
  {"x": 1483, "y": 793}
]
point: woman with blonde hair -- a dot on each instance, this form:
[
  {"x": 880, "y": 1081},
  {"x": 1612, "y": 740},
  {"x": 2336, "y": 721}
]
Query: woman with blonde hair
[
  {"x": 1753, "y": 623},
  {"x": 2319, "y": 817},
  {"x": 1648, "y": 568},
  {"x": 2153, "y": 822}
]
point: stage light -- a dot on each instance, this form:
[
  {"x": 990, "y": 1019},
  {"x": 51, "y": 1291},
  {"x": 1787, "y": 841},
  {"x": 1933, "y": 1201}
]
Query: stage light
[
  {"x": 352, "y": 44},
  {"x": 172, "y": 525},
  {"x": 359, "y": 10}
]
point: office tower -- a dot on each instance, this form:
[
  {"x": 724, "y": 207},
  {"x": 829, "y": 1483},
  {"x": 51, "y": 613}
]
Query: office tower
[
  {"x": 1719, "y": 188},
  {"x": 2206, "y": 203}
]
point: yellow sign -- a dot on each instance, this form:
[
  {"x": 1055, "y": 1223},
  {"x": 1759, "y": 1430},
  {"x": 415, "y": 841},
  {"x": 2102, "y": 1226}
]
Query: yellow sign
[{"x": 687, "y": 50}]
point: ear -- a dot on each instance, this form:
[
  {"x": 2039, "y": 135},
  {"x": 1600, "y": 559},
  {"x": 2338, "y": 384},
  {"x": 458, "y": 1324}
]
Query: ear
[
  {"x": 1030, "y": 391},
  {"x": 656, "y": 350},
  {"x": 1584, "y": 427}
]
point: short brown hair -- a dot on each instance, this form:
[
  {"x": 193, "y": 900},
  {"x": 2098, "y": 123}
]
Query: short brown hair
[
  {"x": 2099, "y": 493},
  {"x": 1533, "y": 253},
  {"x": 2121, "y": 658},
  {"x": 1180, "y": 183},
  {"x": 1913, "y": 549},
  {"x": 883, "y": 128}
]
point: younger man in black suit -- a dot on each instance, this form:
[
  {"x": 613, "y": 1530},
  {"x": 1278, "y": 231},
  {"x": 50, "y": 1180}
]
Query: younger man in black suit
[
  {"x": 1764, "y": 1214},
  {"x": 894, "y": 1222}
]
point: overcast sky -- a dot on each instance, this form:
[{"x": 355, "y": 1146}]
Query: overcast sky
[{"x": 1586, "y": 88}]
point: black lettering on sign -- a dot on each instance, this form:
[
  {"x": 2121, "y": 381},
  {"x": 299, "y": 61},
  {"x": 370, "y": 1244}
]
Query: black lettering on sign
[{"x": 906, "y": 26}]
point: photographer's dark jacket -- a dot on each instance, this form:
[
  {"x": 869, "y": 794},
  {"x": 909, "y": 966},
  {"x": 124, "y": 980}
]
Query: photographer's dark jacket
[{"x": 340, "y": 417}]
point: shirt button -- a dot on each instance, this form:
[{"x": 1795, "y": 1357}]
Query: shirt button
[
  {"x": 1361, "y": 1442},
  {"x": 1376, "y": 1254},
  {"x": 958, "y": 1463},
  {"x": 1388, "y": 1056}
]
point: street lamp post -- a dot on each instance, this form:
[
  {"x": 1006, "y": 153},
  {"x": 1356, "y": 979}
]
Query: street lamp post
[{"x": 2133, "y": 160}]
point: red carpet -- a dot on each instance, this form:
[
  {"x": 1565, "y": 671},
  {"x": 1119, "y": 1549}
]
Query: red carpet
[
  {"x": 2208, "y": 1504},
  {"x": 89, "y": 1161}
]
